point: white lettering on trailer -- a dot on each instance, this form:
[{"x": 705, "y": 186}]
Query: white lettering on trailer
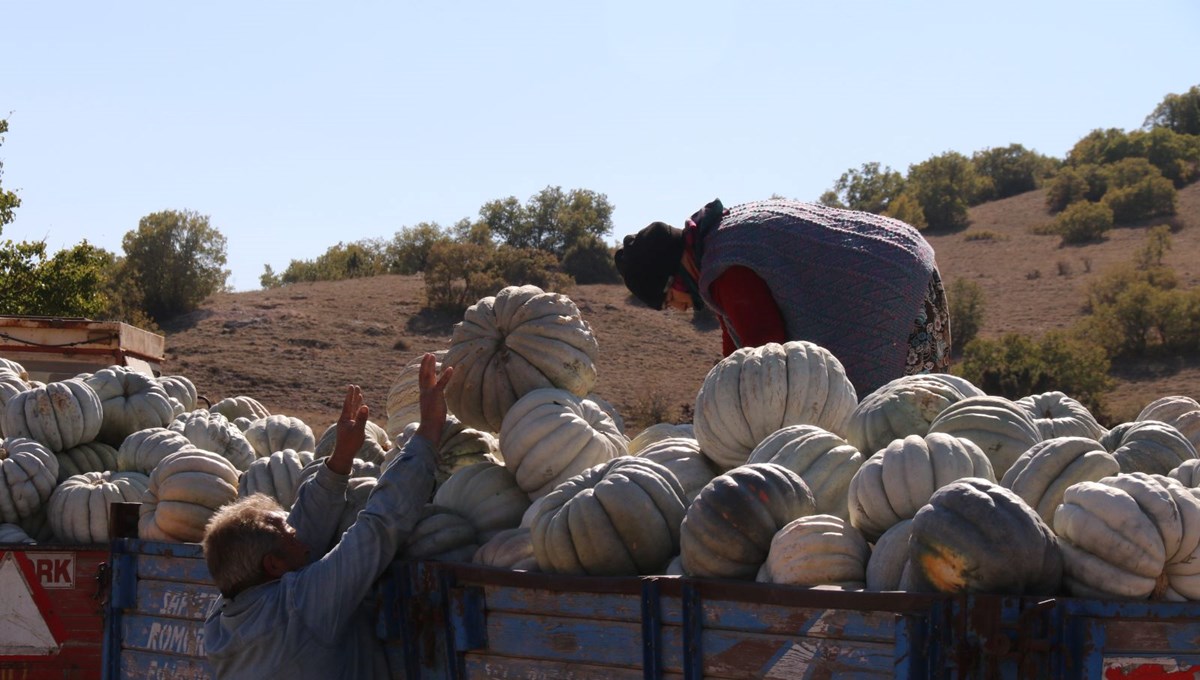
[
  {"x": 175, "y": 638},
  {"x": 54, "y": 569}
]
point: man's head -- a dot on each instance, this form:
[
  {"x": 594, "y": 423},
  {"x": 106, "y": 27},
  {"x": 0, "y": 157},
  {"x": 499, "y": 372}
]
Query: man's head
[
  {"x": 648, "y": 259},
  {"x": 249, "y": 542}
]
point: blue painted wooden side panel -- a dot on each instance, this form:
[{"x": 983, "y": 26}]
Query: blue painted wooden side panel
[
  {"x": 161, "y": 595},
  {"x": 1132, "y": 639}
]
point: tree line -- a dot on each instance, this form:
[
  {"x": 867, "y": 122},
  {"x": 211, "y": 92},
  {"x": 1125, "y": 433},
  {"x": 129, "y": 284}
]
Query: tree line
[{"x": 176, "y": 258}]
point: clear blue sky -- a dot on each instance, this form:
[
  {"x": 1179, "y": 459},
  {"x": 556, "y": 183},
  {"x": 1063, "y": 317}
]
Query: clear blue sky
[{"x": 296, "y": 125}]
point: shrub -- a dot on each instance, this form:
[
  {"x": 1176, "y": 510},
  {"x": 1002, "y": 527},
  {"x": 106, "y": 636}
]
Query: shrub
[
  {"x": 1149, "y": 197},
  {"x": 1015, "y": 366},
  {"x": 590, "y": 260},
  {"x": 458, "y": 274},
  {"x": 966, "y": 310},
  {"x": 1083, "y": 222},
  {"x": 984, "y": 235},
  {"x": 907, "y": 209},
  {"x": 1068, "y": 186}
]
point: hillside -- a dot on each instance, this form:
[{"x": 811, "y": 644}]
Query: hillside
[{"x": 293, "y": 348}]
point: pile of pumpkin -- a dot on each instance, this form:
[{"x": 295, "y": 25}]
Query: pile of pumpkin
[{"x": 785, "y": 476}]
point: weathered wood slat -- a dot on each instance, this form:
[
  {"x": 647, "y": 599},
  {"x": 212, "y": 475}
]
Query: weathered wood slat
[
  {"x": 1126, "y": 637},
  {"x": 174, "y": 599},
  {"x": 145, "y": 666},
  {"x": 565, "y": 639},
  {"x": 493, "y": 667},
  {"x": 740, "y": 654},
  {"x": 583, "y": 605},
  {"x": 169, "y": 568},
  {"x": 157, "y": 634},
  {"x": 788, "y": 620}
]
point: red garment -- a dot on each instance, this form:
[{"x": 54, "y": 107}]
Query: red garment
[{"x": 749, "y": 307}]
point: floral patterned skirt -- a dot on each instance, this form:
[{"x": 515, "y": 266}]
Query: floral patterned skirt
[{"x": 929, "y": 343}]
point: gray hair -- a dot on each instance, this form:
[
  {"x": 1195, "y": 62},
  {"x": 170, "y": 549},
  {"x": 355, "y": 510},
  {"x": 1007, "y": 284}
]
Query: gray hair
[{"x": 237, "y": 538}]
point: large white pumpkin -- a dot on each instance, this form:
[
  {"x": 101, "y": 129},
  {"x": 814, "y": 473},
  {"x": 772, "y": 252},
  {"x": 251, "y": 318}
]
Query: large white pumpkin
[
  {"x": 825, "y": 462},
  {"x": 90, "y": 457},
  {"x": 1130, "y": 536},
  {"x": 28, "y": 474},
  {"x": 998, "y": 426},
  {"x": 61, "y": 415},
  {"x": 186, "y": 488},
  {"x": 551, "y": 435},
  {"x": 1057, "y": 415},
  {"x": 181, "y": 391},
  {"x": 1043, "y": 473},
  {"x": 78, "y": 508},
  {"x": 506, "y": 346},
  {"x": 276, "y": 475},
  {"x": 403, "y": 405},
  {"x": 212, "y": 431},
  {"x": 143, "y": 449},
  {"x": 508, "y": 549},
  {"x": 659, "y": 432},
  {"x": 1180, "y": 412},
  {"x": 487, "y": 495},
  {"x": 131, "y": 401},
  {"x": 373, "y": 450},
  {"x": 11, "y": 384},
  {"x": 757, "y": 390},
  {"x": 278, "y": 432},
  {"x": 441, "y": 535},
  {"x": 682, "y": 456},
  {"x": 461, "y": 447},
  {"x": 240, "y": 406},
  {"x": 817, "y": 550},
  {"x": 895, "y": 483},
  {"x": 1148, "y": 446},
  {"x": 904, "y": 406}
]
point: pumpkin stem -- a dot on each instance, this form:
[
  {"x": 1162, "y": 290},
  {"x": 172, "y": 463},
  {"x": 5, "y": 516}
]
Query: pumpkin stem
[{"x": 1160, "y": 586}]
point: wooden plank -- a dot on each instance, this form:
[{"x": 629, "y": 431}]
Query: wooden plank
[
  {"x": 172, "y": 568},
  {"x": 565, "y": 639},
  {"x": 494, "y": 667},
  {"x": 871, "y": 626},
  {"x": 1168, "y": 636},
  {"x": 175, "y": 599},
  {"x": 734, "y": 654},
  {"x": 157, "y": 634},
  {"x": 510, "y": 599},
  {"x": 143, "y": 666}
]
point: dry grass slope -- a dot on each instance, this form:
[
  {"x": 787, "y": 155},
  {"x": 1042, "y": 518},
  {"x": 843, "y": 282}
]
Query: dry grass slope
[{"x": 294, "y": 348}]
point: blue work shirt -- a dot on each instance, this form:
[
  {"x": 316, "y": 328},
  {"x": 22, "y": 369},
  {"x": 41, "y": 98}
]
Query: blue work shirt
[{"x": 315, "y": 622}]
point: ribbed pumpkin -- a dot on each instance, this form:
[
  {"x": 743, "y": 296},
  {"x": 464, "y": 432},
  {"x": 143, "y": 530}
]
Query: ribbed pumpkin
[
  {"x": 461, "y": 447},
  {"x": 373, "y": 450},
  {"x": 609, "y": 409},
  {"x": 11, "y": 384},
  {"x": 757, "y": 390},
  {"x": 131, "y": 401},
  {"x": 61, "y": 415},
  {"x": 441, "y": 535},
  {"x": 90, "y": 457},
  {"x": 550, "y": 435},
  {"x": 659, "y": 432},
  {"x": 889, "y": 558},
  {"x": 1043, "y": 473},
  {"x": 358, "y": 468},
  {"x": 403, "y": 405},
  {"x": 975, "y": 536},
  {"x": 816, "y": 550},
  {"x": 1148, "y": 446},
  {"x": 895, "y": 483},
  {"x": 487, "y": 495},
  {"x": 185, "y": 489},
  {"x": 11, "y": 534},
  {"x": 142, "y": 450},
  {"x": 1180, "y": 412},
  {"x": 240, "y": 406},
  {"x": 78, "y": 508},
  {"x": 904, "y": 406},
  {"x": 15, "y": 367},
  {"x": 1187, "y": 473},
  {"x": 620, "y": 518},
  {"x": 1131, "y": 536},
  {"x": 37, "y": 526},
  {"x": 1000, "y": 428},
  {"x": 825, "y": 462},
  {"x": 728, "y": 529},
  {"x": 506, "y": 346},
  {"x": 278, "y": 432},
  {"x": 181, "y": 391},
  {"x": 28, "y": 474},
  {"x": 212, "y": 431},
  {"x": 682, "y": 456},
  {"x": 1057, "y": 415},
  {"x": 508, "y": 549},
  {"x": 276, "y": 475}
]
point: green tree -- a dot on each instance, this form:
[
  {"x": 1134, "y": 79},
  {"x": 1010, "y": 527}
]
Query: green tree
[
  {"x": 869, "y": 189},
  {"x": 966, "y": 310},
  {"x": 177, "y": 259},
  {"x": 408, "y": 252},
  {"x": 1069, "y": 186},
  {"x": 1101, "y": 147},
  {"x": 8, "y": 199},
  {"x": 591, "y": 261},
  {"x": 551, "y": 220},
  {"x": 945, "y": 186},
  {"x": 69, "y": 283},
  {"x": 1011, "y": 170},
  {"x": 1155, "y": 247},
  {"x": 907, "y": 209},
  {"x": 1178, "y": 113},
  {"x": 1083, "y": 222}
]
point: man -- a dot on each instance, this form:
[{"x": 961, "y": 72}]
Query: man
[
  {"x": 284, "y": 614},
  {"x": 862, "y": 286}
]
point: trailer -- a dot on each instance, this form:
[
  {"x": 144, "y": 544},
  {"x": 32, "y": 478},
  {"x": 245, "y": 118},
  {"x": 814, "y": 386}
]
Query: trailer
[
  {"x": 54, "y": 348},
  {"x": 443, "y": 620}
]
